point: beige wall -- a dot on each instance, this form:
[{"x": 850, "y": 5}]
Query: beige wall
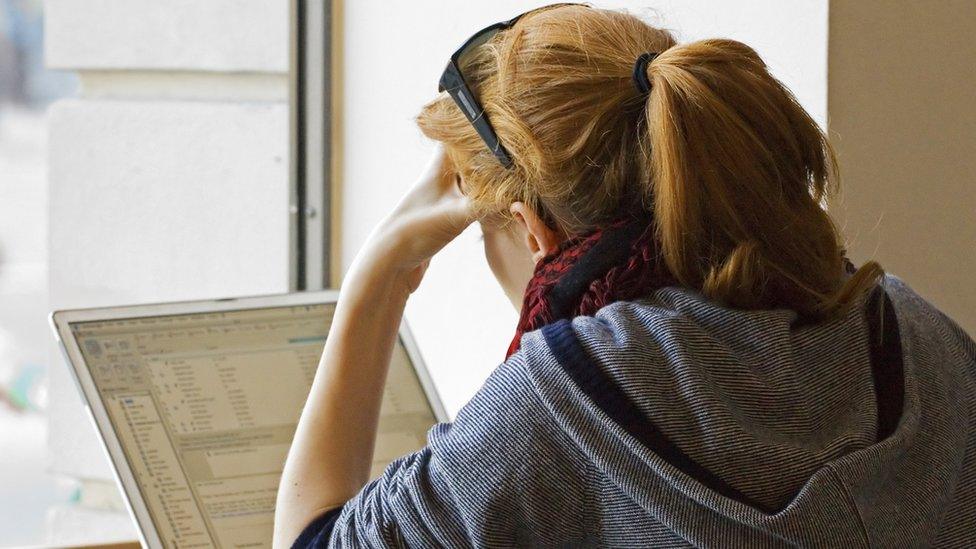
[{"x": 902, "y": 114}]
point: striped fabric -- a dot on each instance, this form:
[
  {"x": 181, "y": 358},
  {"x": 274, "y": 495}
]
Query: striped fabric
[{"x": 673, "y": 422}]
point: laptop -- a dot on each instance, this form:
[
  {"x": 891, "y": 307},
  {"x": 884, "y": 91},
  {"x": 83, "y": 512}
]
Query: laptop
[{"x": 197, "y": 402}]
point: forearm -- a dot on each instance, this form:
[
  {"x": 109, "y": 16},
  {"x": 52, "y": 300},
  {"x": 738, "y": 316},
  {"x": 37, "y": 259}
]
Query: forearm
[{"x": 331, "y": 455}]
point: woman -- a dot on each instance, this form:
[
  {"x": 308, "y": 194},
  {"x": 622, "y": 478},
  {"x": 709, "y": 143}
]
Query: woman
[{"x": 696, "y": 362}]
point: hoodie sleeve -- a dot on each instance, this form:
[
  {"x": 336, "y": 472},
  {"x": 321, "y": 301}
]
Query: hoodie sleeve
[{"x": 485, "y": 479}]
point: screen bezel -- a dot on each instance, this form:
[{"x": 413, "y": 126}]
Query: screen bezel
[{"x": 97, "y": 413}]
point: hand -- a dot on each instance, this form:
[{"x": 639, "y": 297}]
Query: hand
[{"x": 430, "y": 215}]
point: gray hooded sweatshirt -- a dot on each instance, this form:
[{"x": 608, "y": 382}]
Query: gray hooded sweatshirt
[{"x": 673, "y": 422}]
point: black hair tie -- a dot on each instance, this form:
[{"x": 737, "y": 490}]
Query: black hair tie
[{"x": 640, "y": 71}]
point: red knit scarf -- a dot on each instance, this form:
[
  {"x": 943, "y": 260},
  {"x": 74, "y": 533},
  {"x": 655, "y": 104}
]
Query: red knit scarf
[{"x": 618, "y": 262}]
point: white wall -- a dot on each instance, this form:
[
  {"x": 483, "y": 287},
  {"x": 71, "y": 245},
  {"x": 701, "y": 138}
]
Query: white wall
[
  {"x": 394, "y": 53},
  {"x": 168, "y": 176}
]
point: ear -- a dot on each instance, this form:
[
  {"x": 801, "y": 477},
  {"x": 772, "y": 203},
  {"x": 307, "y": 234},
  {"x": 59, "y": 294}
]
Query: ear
[{"x": 540, "y": 239}]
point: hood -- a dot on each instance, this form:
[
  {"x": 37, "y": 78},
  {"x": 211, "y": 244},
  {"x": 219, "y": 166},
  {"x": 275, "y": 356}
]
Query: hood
[{"x": 733, "y": 426}]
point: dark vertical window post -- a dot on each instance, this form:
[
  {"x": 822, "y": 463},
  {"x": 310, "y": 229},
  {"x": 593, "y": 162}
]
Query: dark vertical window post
[{"x": 310, "y": 100}]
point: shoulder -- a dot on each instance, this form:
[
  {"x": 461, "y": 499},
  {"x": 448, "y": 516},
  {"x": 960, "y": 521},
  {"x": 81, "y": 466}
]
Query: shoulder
[
  {"x": 924, "y": 322},
  {"x": 506, "y": 388},
  {"x": 505, "y": 452},
  {"x": 505, "y": 420}
]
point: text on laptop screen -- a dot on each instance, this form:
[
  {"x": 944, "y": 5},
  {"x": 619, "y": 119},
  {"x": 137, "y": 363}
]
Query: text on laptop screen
[{"x": 205, "y": 406}]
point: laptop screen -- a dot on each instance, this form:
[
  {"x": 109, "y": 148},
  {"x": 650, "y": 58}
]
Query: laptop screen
[{"x": 205, "y": 406}]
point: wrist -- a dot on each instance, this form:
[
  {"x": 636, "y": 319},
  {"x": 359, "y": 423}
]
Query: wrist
[{"x": 376, "y": 275}]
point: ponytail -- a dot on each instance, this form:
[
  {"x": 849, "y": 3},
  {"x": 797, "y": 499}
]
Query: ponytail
[{"x": 738, "y": 172}]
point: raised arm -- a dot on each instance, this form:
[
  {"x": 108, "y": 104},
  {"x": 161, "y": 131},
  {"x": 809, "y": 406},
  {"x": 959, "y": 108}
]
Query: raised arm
[{"x": 331, "y": 454}]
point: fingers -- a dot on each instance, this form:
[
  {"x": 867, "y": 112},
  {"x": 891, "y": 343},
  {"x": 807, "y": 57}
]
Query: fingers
[{"x": 436, "y": 203}]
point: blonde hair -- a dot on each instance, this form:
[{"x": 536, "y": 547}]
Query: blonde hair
[{"x": 719, "y": 153}]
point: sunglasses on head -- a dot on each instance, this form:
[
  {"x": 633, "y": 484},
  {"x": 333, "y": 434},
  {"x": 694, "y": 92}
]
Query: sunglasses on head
[{"x": 453, "y": 82}]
